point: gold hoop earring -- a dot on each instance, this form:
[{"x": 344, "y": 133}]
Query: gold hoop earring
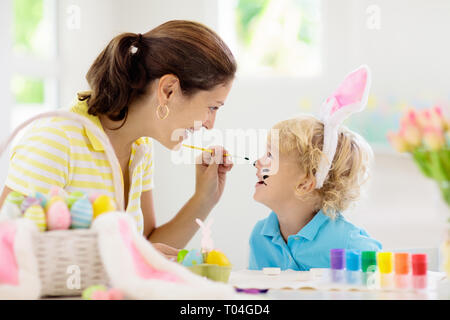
[{"x": 158, "y": 112}]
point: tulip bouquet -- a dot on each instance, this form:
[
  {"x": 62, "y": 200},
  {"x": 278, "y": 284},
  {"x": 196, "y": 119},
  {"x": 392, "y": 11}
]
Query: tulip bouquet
[{"x": 425, "y": 134}]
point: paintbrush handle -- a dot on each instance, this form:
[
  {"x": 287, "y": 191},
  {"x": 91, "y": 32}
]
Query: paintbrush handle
[{"x": 211, "y": 151}]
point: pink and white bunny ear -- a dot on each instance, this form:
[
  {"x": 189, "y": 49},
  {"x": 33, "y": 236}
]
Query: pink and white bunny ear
[
  {"x": 350, "y": 97},
  {"x": 207, "y": 242}
]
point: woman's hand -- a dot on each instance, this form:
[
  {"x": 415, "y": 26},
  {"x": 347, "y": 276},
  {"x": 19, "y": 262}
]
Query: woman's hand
[
  {"x": 211, "y": 171},
  {"x": 168, "y": 251}
]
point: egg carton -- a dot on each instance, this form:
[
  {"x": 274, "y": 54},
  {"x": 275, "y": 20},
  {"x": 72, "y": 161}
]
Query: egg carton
[{"x": 212, "y": 271}]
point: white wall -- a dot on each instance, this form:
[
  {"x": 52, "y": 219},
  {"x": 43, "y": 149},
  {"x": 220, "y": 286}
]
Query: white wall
[
  {"x": 408, "y": 56},
  {"x": 5, "y": 66}
]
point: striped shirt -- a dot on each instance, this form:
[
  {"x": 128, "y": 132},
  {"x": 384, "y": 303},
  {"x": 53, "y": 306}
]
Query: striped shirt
[{"x": 62, "y": 152}]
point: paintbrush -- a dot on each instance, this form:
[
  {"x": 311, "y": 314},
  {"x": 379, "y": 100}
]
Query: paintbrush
[{"x": 211, "y": 151}]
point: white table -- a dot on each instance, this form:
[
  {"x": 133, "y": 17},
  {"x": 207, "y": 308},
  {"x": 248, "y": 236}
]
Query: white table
[
  {"x": 441, "y": 292},
  {"x": 286, "y": 286}
]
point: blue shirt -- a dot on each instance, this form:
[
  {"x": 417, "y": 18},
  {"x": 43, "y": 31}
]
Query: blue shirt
[{"x": 310, "y": 247}]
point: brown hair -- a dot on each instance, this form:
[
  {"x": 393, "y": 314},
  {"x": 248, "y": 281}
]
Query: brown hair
[{"x": 189, "y": 50}]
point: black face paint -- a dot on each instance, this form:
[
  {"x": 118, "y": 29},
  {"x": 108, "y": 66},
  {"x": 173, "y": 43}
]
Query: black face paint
[{"x": 262, "y": 181}]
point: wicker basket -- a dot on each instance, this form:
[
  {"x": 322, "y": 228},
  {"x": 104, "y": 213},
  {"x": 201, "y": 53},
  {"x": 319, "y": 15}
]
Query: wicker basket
[{"x": 69, "y": 260}]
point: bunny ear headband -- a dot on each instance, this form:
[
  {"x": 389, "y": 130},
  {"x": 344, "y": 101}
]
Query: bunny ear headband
[{"x": 350, "y": 97}]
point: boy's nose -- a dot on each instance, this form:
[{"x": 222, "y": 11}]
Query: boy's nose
[{"x": 257, "y": 164}]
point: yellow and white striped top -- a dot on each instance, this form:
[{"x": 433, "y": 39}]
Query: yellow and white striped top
[{"x": 62, "y": 152}]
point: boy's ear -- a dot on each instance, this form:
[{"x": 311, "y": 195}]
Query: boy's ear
[{"x": 306, "y": 186}]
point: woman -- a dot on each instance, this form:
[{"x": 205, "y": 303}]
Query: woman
[{"x": 143, "y": 87}]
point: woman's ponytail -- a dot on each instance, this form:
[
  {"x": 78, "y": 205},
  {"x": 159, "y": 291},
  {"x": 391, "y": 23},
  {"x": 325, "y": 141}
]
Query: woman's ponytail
[{"x": 117, "y": 76}]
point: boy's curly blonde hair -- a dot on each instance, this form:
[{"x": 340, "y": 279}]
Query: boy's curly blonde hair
[{"x": 302, "y": 137}]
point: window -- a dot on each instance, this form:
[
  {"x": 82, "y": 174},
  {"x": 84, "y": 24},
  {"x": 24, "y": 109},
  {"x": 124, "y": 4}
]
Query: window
[
  {"x": 273, "y": 37},
  {"x": 34, "y": 50}
]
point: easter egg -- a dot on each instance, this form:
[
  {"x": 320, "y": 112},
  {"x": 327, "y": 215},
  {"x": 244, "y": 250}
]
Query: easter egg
[
  {"x": 217, "y": 257},
  {"x": 181, "y": 255},
  {"x": 100, "y": 295},
  {"x": 58, "y": 216},
  {"x": 102, "y": 205},
  {"x": 87, "y": 293},
  {"x": 15, "y": 198},
  {"x": 73, "y": 197},
  {"x": 57, "y": 191},
  {"x": 93, "y": 196},
  {"x": 52, "y": 201},
  {"x": 37, "y": 215},
  {"x": 115, "y": 294},
  {"x": 28, "y": 202},
  {"x": 192, "y": 258},
  {"x": 41, "y": 197},
  {"x": 10, "y": 211},
  {"x": 81, "y": 213}
]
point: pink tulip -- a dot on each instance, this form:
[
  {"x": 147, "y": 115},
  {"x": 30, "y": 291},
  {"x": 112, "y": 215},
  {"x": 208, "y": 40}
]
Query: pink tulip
[
  {"x": 439, "y": 118},
  {"x": 431, "y": 118},
  {"x": 411, "y": 135},
  {"x": 397, "y": 141},
  {"x": 434, "y": 138}
]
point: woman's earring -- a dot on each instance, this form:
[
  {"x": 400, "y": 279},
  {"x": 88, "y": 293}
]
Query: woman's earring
[{"x": 158, "y": 112}]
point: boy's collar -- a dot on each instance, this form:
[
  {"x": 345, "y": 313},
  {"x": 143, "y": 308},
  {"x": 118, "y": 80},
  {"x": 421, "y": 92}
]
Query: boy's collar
[{"x": 272, "y": 228}]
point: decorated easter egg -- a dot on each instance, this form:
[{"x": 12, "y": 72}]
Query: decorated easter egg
[
  {"x": 10, "y": 211},
  {"x": 58, "y": 216},
  {"x": 103, "y": 204},
  {"x": 87, "y": 293},
  {"x": 181, "y": 255},
  {"x": 73, "y": 197},
  {"x": 28, "y": 202},
  {"x": 15, "y": 198},
  {"x": 81, "y": 213},
  {"x": 52, "y": 201},
  {"x": 37, "y": 215},
  {"x": 217, "y": 257},
  {"x": 57, "y": 191},
  {"x": 192, "y": 258},
  {"x": 115, "y": 294},
  {"x": 93, "y": 196},
  {"x": 41, "y": 197}
]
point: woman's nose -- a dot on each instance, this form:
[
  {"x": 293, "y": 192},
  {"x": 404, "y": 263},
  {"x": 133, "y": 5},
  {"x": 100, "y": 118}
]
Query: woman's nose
[{"x": 209, "y": 124}]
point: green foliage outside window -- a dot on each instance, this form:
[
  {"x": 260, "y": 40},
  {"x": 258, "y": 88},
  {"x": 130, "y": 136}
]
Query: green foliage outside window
[
  {"x": 28, "y": 14},
  {"x": 278, "y": 35}
]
